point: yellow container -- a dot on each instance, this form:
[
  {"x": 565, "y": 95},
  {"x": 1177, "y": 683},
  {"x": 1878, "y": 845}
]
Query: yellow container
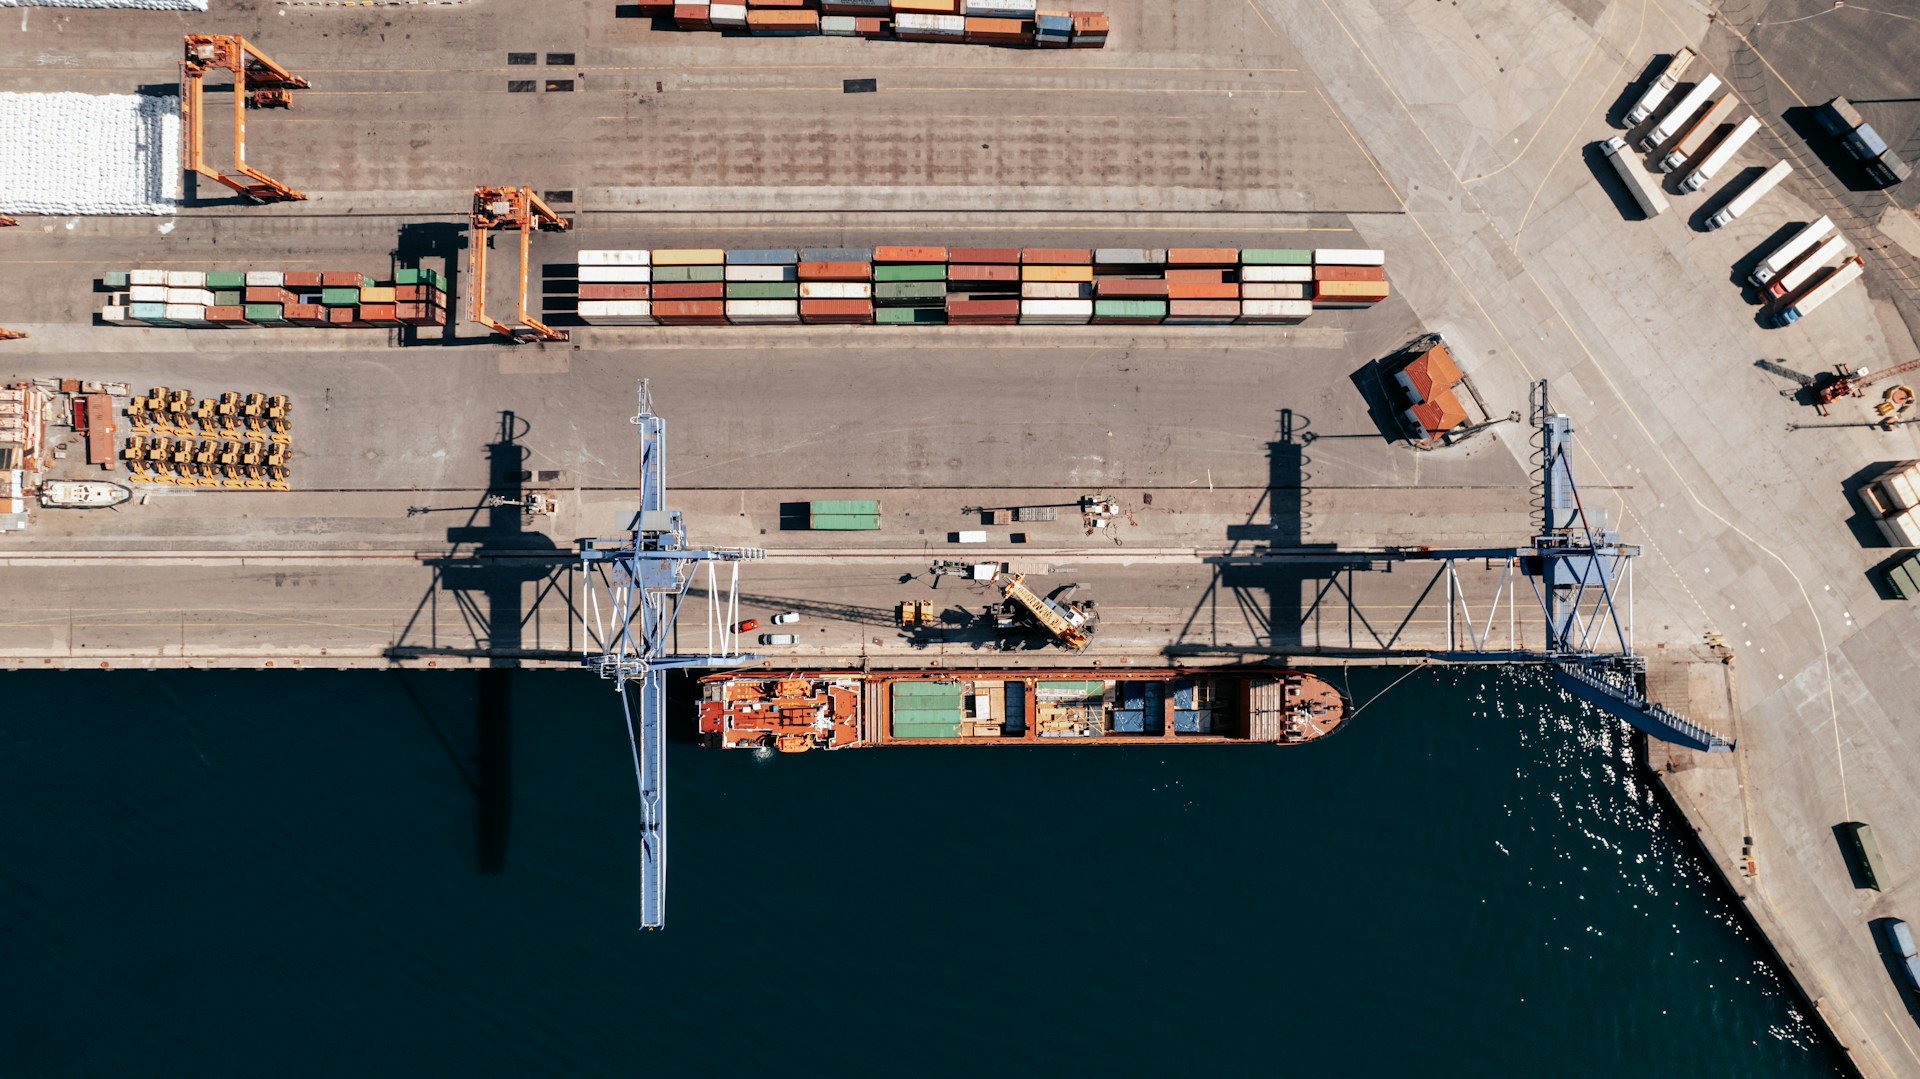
[
  {"x": 1056, "y": 273},
  {"x": 689, "y": 256},
  {"x": 376, "y": 294}
]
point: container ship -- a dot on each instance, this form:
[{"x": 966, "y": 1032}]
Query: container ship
[{"x": 796, "y": 711}]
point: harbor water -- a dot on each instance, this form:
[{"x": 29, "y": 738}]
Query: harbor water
[{"x": 325, "y": 874}]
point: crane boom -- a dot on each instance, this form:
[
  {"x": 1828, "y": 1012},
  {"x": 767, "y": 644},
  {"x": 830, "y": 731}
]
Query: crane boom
[{"x": 1063, "y": 628}]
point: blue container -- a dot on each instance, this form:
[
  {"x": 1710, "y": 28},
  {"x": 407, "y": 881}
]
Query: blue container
[
  {"x": 1016, "y": 712},
  {"x": 1192, "y": 722},
  {"x": 766, "y": 257},
  {"x": 1129, "y": 723},
  {"x": 1183, "y": 693}
]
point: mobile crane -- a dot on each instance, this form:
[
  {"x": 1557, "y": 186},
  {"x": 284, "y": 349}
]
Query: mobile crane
[
  {"x": 1069, "y": 623},
  {"x": 258, "y": 83},
  {"x": 510, "y": 208}
]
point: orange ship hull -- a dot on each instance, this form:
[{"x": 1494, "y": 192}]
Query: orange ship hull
[{"x": 800, "y": 710}]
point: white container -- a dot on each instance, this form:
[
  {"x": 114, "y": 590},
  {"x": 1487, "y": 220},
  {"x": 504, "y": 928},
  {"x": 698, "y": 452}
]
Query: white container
[
  {"x": 908, "y": 22},
  {"x": 1056, "y": 290},
  {"x": 1662, "y": 86},
  {"x": 1899, "y": 490},
  {"x": 147, "y": 294},
  {"x": 635, "y": 312},
  {"x": 1348, "y": 256},
  {"x": 1694, "y": 138},
  {"x": 1276, "y": 273},
  {"x": 1000, "y": 9},
  {"x": 186, "y": 279},
  {"x": 1783, "y": 256},
  {"x": 616, "y": 258},
  {"x": 265, "y": 278},
  {"x": 763, "y": 310},
  {"x": 836, "y": 290},
  {"x": 969, "y": 537},
  {"x": 728, "y": 14},
  {"x": 146, "y": 277},
  {"x": 199, "y": 296},
  {"x": 763, "y": 273},
  {"x": 1130, "y": 256},
  {"x": 1788, "y": 283},
  {"x": 840, "y": 25},
  {"x": 186, "y": 312},
  {"x": 1682, "y": 111},
  {"x": 1641, "y": 183},
  {"x": 1056, "y": 312},
  {"x": 1753, "y": 193},
  {"x": 113, "y": 314},
  {"x": 1260, "y": 290},
  {"x": 1902, "y": 530},
  {"x": 1275, "y": 310},
  {"x": 1721, "y": 154},
  {"x": 616, "y": 275}
]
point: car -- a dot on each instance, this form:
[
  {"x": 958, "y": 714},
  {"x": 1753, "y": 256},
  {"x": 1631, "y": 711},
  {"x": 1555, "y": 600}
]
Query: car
[
  {"x": 778, "y": 638},
  {"x": 786, "y": 619},
  {"x": 748, "y": 626}
]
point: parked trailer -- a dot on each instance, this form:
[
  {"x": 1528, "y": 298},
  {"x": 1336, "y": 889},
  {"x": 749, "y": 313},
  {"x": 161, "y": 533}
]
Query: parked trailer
[
  {"x": 1866, "y": 853},
  {"x": 1695, "y": 137},
  {"x": 1829, "y": 286},
  {"x": 1646, "y": 189},
  {"x": 1662, "y": 86},
  {"x": 1798, "y": 244},
  {"x": 1796, "y": 275},
  {"x": 1721, "y": 154},
  {"x": 1744, "y": 201},
  {"x": 1681, "y": 112}
]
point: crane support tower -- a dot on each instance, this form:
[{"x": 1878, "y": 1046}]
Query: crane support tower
[
  {"x": 258, "y": 83},
  {"x": 510, "y": 208},
  {"x": 635, "y": 587}
]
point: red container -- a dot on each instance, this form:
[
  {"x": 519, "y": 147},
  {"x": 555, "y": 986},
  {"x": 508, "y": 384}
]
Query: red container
[
  {"x": 378, "y": 313},
  {"x": 1206, "y": 277},
  {"x": 1203, "y": 256},
  {"x": 838, "y": 312},
  {"x": 690, "y": 290},
  {"x": 301, "y": 279},
  {"x": 304, "y": 314},
  {"x": 266, "y": 294},
  {"x": 1198, "y": 290},
  {"x": 908, "y": 254},
  {"x": 343, "y": 316},
  {"x": 1349, "y": 273},
  {"x": 997, "y": 255},
  {"x": 1057, "y": 256},
  {"x": 343, "y": 279},
  {"x": 691, "y": 312},
  {"x": 228, "y": 316},
  {"x": 983, "y": 273},
  {"x": 1222, "y": 309},
  {"x": 836, "y": 271},
  {"x": 994, "y": 311},
  {"x": 1129, "y": 286}
]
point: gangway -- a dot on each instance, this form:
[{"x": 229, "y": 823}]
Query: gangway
[
  {"x": 258, "y": 83},
  {"x": 635, "y": 587}
]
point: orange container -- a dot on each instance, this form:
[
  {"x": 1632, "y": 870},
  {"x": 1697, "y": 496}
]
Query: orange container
[
  {"x": 836, "y": 311},
  {"x": 983, "y": 273},
  {"x": 1058, "y": 273},
  {"x": 1349, "y": 273},
  {"x": 1057, "y": 256},
  {"x": 836, "y": 271},
  {"x": 1206, "y": 277},
  {"x": 772, "y": 19},
  {"x": 1198, "y": 290},
  {"x": 908, "y": 254},
  {"x": 984, "y": 254},
  {"x": 928, "y": 7},
  {"x": 1203, "y": 256}
]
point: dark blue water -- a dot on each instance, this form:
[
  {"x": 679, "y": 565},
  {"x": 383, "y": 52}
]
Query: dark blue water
[{"x": 280, "y": 874}]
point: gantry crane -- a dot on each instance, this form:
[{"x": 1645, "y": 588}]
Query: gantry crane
[
  {"x": 258, "y": 83},
  {"x": 644, "y": 578},
  {"x": 510, "y": 208}
]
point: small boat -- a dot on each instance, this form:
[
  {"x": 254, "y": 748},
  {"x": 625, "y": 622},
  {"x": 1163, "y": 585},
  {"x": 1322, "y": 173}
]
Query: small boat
[{"x": 82, "y": 494}]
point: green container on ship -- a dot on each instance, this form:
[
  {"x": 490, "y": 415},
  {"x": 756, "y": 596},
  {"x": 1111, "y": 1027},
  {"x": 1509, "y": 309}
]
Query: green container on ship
[
  {"x": 340, "y": 297},
  {"x": 911, "y": 271},
  {"x": 910, "y": 316},
  {"x": 264, "y": 313},
  {"x": 1154, "y": 309},
  {"x": 844, "y": 505},
  {"x": 228, "y": 297},
  {"x": 763, "y": 290},
  {"x": 676, "y": 275},
  {"x": 1275, "y": 256},
  {"x": 219, "y": 279},
  {"x": 911, "y": 293},
  {"x": 116, "y": 279}
]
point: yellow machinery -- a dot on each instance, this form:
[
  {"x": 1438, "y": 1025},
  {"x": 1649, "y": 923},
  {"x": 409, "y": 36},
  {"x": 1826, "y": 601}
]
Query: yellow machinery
[
  {"x": 1070, "y": 631},
  {"x": 258, "y": 82},
  {"x": 509, "y": 208},
  {"x": 915, "y": 612}
]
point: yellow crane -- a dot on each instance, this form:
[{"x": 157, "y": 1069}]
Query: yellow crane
[
  {"x": 258, "y": 83},
  {"x": 509, "y": 208}
]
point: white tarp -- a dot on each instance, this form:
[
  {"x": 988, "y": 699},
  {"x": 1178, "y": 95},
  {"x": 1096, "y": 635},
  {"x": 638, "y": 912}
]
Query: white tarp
[
  {"x": 145, "y": 5},
  {"x": 89, "y": 154}
]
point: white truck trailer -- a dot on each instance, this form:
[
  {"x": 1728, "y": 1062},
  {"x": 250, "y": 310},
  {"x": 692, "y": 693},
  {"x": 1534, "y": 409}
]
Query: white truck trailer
[
  {"x": 1662, "y": 86},
  {"x": 1696, "y": 134},
  {"x": 1753, "y": 192},
  {"x": 1721, "y": 154},
  {"x": 1645, "y": 188},
  {"x": 1828, "y": 287},
  {"x": 1783, "y": 256},
  {"x": 1682, "y": 111}
]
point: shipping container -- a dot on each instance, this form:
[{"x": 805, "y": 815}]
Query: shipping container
[
  {"x": 1678, "y": 116},
  {"x": 910, "y": 254},
  {"x": 1275, "y": 256},
  {"x": 910, "y": 271},
  {"x": 685, "y": 256},
  {"x": 836, "y": 290},
  {"x": 762, "y": 273}
]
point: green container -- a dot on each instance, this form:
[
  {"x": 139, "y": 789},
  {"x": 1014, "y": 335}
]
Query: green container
[
  {"x": 116, "y": 279},
  {"x": 926, "y": 730},
  {"x": 1129, "y": 309},
  {"x": 1866, "y": 854},
  {"x": 763, "y": 290},
  {"x": 683, "y": 274},
  {"x": 1904, "y": 577},
  {"x": 910, "y": 316},
  {"x": 219, "y": 279},
  {"x": 911, "y": 292},
  {"x": 919, "y": 692},
  {"x": 844, "y": 505},
  {"x": 264, "y": 312},
  {"x": 1275, "y": 256},
  {"x": 228, "y": 297},
  {"x": 911, "y": 271},
  {"x": 340, "y": 297},
  {"x": 844, "y": 522}
]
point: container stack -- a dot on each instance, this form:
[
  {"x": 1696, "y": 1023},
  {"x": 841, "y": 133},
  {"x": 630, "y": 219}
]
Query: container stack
[
  {"x": 345, "y": 299},
  {"x": 976, "y": 286},
  {"x": 973, "y": 22},
  {"x": 1893, "y": 497}
]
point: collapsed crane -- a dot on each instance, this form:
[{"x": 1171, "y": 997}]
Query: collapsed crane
[
  {"x": 510, "y": 208},
  {"x": 258, "y": 83}
]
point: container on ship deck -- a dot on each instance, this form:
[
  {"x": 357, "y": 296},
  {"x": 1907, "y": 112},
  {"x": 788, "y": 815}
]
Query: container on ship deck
[
  {"x": 910, "y": 254},
  {"x": 985, "y": 255},
  {"x": 836, "y": 271}
]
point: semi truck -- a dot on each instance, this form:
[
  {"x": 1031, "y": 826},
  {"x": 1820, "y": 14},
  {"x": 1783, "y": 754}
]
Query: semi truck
[
  {"x": 1723, "y": 153},
  {"x": 1801, "y": 271},
  {"x": 1828, "y": 287},
  {"x": 1753, "y": 192},
  {"x": 1783, "y": 256},
  {"x": 1682, "y": 111},
  {"x": 1662, "y": 86},
  {"x": 1695, "y": 136},
  {"x": 1862, "y": 143},
  {"x": 1646, "y": 190}
]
